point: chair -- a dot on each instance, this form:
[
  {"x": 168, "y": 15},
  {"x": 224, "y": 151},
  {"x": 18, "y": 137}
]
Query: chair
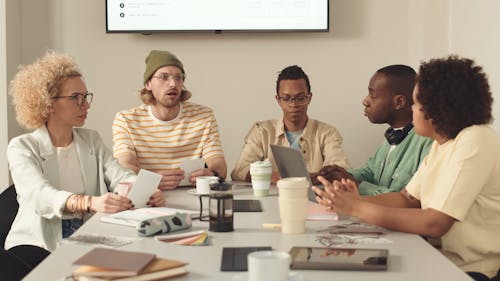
[
  {"x": 8, "y": 211},
  {"x": 20, "y": 260}
]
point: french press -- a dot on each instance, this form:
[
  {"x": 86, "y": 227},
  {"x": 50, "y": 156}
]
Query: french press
[{"x": 220, "y": 214}]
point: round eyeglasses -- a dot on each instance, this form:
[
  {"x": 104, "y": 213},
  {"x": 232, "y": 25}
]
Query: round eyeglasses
[
  {"x": 298, "y": 100},
  {"x": 79, "y": 98}
]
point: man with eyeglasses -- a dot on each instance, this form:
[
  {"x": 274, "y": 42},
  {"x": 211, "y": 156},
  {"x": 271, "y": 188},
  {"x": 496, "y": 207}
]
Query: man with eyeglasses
[
  {"x": 167, "y": 129},
  {"x": 320, "y": 143}
]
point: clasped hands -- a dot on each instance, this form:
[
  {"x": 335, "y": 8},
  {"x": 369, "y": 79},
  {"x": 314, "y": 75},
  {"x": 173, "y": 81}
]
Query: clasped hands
[{"x": 341, "y": 190}]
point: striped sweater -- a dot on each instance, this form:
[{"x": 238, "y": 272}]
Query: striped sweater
[{"x": 159, "y": 145}]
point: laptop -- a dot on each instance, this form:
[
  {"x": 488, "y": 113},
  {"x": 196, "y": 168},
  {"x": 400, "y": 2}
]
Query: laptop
[{"x": 290, "y": 163}]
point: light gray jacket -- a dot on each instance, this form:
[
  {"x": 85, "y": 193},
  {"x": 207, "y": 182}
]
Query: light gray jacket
[{"x": 34, "y": 168}]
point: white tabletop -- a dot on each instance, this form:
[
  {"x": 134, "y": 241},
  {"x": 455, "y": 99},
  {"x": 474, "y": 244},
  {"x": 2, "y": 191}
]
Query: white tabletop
[{"x": 411, "y": 257}]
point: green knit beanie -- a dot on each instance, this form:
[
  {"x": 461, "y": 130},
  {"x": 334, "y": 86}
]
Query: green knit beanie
[{"x": 157, "y": 59}]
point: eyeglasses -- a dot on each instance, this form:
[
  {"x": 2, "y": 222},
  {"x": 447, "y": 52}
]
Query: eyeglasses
[
  {"x": 299, "y": 100},
  {"x": 79, "y": 98},
  {"x": 165, "y": 77}
]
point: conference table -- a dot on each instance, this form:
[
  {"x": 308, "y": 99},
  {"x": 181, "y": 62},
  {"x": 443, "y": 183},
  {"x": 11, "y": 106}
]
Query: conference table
[{"x": 410, "y": 256}]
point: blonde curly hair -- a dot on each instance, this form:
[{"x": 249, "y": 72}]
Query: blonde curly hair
[{"x": 34, "y": 86}]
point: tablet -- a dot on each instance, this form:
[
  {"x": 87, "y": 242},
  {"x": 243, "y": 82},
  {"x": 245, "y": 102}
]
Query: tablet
[
  {"x": 247, "y": 205},
  {"x": 143, "y": 188},
  {"x": 235, "y": 258},
  {"x": 324, "y": 258},
  {"x": 290, "y": 163}
]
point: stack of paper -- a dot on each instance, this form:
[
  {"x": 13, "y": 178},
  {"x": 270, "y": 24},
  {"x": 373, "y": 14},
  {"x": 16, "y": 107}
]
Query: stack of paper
[
  {"x": 107, "y": 264},
  {"x": 134, "y": 217}
]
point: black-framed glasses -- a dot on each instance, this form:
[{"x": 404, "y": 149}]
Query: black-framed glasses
[
  {"x": 79, "y": 98},
  {"x": 299, "y": 100},
  {"x": 166, "y": 77}
]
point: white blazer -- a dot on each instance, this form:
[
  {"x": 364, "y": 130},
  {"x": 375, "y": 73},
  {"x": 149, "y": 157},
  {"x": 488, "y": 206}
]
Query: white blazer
[{"x": 33, "y": 165}]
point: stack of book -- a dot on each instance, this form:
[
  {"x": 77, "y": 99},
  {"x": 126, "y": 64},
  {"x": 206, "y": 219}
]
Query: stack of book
[{"x": 108, "y": 264}]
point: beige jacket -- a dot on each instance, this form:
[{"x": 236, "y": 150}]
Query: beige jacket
[
  {"x": 321, "y": 145},
  {"x": 34, "y": 168}
]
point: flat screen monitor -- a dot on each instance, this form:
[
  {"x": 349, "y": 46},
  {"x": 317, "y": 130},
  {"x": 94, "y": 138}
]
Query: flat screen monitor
[{"x": 148, "y": 16}]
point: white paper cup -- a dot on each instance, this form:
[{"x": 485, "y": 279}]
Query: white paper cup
[
  {"x": 260, "y": 172},
  {"x": 293, "y": 204},
  {"x": 268, "y": 266},
  {"x": 203, "y": 184}
]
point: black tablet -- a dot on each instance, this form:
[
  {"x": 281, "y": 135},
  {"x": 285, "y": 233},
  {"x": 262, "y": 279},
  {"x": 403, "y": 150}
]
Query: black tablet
[
  {"x": 247, "y": 206},
  {"x": 235, "y": 258},
  {"x": 338, "y": 258}
]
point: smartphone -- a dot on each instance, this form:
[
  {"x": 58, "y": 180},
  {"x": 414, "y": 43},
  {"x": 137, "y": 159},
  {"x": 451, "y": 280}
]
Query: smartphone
[{"x": 324, "y": 258}]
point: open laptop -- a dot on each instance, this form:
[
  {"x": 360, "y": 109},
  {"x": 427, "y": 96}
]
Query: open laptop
[{"x": 291, "y": 163}]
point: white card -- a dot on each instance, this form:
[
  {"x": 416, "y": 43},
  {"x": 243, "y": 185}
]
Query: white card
[
  {"x": 143, "y": 188},
  {"x": 189, "y": 166}
]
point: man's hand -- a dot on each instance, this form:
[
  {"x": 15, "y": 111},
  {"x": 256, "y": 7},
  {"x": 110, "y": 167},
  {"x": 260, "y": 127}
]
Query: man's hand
[
  {"x": 170, "y": 179},
  {"x": 275, "y": 177},
  {"x": 199, "y": 173},
  {"x": 331, "y": 173}
]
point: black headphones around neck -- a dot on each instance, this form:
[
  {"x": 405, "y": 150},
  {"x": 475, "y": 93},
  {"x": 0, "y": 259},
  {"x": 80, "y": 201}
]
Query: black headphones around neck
[{"x": 395, "y": 137}]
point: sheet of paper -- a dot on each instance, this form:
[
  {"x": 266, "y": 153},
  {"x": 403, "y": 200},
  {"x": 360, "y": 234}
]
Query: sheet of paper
[
  {"x": 189, "y": 166},
  {"x": 143, "y": 187}
]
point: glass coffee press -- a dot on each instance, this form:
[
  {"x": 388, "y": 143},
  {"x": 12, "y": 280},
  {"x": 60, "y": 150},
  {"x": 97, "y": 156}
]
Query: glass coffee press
[{"x": 220, "y": 207}]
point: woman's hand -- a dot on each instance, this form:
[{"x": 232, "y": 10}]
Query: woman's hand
[
  {"x": 340, "y": 196},
  {"x": 346, "y": 197},
  {"x": 157, "y": 199},
  {"x": 110, "y": 203},
  {"x": 324, "y": 197}
]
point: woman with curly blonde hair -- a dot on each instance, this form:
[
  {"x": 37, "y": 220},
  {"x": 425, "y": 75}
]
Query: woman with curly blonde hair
[{"x": 62, "y": 173}]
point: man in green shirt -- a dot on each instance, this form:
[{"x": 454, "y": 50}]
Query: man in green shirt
[{"x": 389, "y": 100}]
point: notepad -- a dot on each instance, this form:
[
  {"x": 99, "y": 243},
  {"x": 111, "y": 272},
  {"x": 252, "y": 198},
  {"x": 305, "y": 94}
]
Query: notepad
[
  {"x": 189, "y": 166},
  {"x": 143, "y": 187}
]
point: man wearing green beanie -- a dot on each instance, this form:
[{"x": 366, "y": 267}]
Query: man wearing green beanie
[{"x": 167, "y": 130}]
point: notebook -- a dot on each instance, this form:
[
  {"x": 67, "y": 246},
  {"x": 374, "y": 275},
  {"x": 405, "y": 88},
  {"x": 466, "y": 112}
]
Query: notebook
[
  {"x": 290, "y": 163},
  {"x": 125, "y": 262}
]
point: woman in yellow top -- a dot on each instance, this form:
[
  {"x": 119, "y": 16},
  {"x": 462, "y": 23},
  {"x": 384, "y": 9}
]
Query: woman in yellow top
[{"x": 455, "y": 193}]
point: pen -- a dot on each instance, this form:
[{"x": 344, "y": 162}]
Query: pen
[{"x": 271, "y": 225}]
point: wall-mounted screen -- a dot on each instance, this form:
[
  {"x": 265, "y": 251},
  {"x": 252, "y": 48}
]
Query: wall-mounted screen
[{"x": 146, "y": 16}]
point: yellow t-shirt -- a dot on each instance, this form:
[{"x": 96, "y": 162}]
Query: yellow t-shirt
[
  {"x": 159, "y": 145},
  {"x": 461, "y": 178}
]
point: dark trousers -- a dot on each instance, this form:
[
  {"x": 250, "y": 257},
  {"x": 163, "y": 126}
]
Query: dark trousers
[{"x": 477, "y": 276}]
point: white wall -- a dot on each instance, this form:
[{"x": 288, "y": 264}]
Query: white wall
[
  {"x": 475, "y": 33},
  {"x": 235, "y": 73},
  {"x": 4, "y": 175}
]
